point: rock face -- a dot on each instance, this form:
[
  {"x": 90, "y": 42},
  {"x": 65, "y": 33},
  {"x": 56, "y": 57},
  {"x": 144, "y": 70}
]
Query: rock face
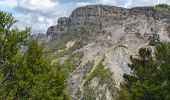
[{"x": 109, "y": 35}]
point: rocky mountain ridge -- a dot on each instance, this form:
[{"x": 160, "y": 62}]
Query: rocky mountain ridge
[{"x": 106, "y": 36}]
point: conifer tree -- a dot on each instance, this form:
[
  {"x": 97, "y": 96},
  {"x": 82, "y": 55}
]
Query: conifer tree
[
  {"x": 26, "y": 73},
  {"x": 149, "y": 78}
]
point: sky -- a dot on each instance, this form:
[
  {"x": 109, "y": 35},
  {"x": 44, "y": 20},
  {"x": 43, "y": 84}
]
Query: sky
[{"x": 41, "y": 14}]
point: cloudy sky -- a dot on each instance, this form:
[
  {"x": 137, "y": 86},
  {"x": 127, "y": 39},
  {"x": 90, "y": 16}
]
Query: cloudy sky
[{"x": 40, "y": 14}]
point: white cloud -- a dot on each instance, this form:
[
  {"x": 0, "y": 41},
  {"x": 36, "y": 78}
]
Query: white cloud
[
  {"x": 82, "y": 4},
  {"x": 40, "y": 14},
  {"x": 45, "y": 7},
  {"x": 107, "y": 2},
  {"x": 8, "y": 3},
  {"x": 128, "y": 4},
  {"x": 144, "y": 2},
  {"x": 166, "y": 1},
  {"x": 133, "y": 3},
  {"x": 38, "y": 23}
]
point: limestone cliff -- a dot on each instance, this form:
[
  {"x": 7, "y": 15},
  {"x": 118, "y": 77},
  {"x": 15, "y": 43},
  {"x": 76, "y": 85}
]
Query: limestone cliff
[{"x": 108, "y": 35}]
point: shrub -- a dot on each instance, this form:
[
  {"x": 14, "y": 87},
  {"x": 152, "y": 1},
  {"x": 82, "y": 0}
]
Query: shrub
[{"x": 101, "y": 72}]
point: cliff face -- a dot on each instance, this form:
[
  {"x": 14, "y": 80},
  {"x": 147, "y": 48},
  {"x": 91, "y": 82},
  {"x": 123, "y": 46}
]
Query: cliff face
[
  {"x": 107, "y": 35},
  {"x": 95, "y": 16},
  {"x": 100, "y": 16}
]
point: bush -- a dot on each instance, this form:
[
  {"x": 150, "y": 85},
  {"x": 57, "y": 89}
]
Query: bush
[
  {"x": 72, "y": 62},
  {"x": 101, "y": 72},
  {"x": 76, "y": 46},
  {"x": 62, "y": 53},
  {"x": 162, "y": 8}
]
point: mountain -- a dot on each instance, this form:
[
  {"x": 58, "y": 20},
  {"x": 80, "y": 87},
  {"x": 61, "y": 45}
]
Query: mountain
[{"x": 96, "y": 42}]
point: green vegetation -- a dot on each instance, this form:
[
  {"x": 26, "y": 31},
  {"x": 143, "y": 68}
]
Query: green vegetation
[
  {"x": 72, "y": 62},
  {"x": 27, "y": 74},
  {"x": 168, "y": 30},
  {"x": 89, "y": 94},
  {"x": 100, "y": 72},
  {"x": 77, "y": 55},
  {"x": 77, "y": 45},
  {"x": 78, "y": 93},
  {"x": 62, "y": 53},
  {"x": 162, "y": 8},
  {"x": 154, "y": 39},
  {"x": 105, "y": 80},
  {"x": 149, "y": 79}
]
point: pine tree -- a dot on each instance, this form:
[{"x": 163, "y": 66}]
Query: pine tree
[
  {"x": 38, "y": 78},
  {"x": 26, "y": 74},
  {"x": 149, "y": 78}
]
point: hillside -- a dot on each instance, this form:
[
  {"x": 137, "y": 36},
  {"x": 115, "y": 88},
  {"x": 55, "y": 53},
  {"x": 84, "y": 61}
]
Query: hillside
[{"x": 97, "y": 41}]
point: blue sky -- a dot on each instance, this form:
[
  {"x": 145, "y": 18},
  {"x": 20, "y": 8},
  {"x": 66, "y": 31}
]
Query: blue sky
[{"x": 40, "y": 14}]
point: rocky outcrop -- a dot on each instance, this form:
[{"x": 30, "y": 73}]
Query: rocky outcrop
[
  {"x": 98, "y": 11},
  {"x": 93, "y": 19},
  {"x": 100, "y": 16},
  {"x": 94, "y": 16},
  {"x": 109, "y": 34}
]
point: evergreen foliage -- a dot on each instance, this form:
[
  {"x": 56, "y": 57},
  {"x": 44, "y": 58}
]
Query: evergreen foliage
[
  {"x": 150, "y": 75},
  {"x": 99, "y": 72},
  {"x": 25, "y": 73},
  {"x": 163, "y": 9}
]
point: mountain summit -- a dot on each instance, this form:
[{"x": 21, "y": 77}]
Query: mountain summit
[{"x": 99, "y": 40}]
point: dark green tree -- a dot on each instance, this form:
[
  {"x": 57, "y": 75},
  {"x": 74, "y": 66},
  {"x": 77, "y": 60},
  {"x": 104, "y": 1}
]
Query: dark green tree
[
  {"x": 11, "y": 40},
  {"x": 149, "y": 78},
  {"x": 25, "y": 73}
]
